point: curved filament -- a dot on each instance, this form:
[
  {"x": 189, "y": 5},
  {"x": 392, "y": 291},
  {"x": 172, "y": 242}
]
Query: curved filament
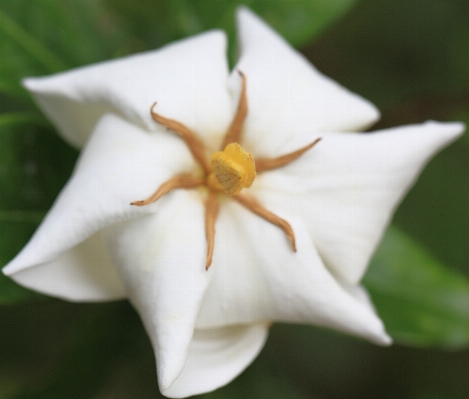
[
  {"x": 254, "y": 206},
  {"x": 195, "y": 145},
  {"x": 181, "y": 181},
  {"x": 211, "y": 213},
  {"x": 233, "y": 135},
  {"x": 264, "y": 164}
]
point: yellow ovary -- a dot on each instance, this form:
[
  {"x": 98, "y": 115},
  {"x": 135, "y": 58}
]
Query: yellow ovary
[{"x": 234, "y": 168}]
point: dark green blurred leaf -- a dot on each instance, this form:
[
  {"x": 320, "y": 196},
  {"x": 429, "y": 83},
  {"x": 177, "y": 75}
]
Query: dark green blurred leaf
[
  {"x": 299, "y": 21},
  {"x": 39, "y": 37},
  {"x": 29, "y": 44},
  {"x": 58, "y": 350},
  {"x": 396, "y": 49},
  {"x": 159, "y": 22},
  {"x": 259, "y": 384},
  {"x": 436, "y": 209},
  {"x": 34, "y": 166},
  {"x": 14, "y": 234},
  {"x": 22, "y": 118},
  {"x": 421, "y": 302},
  {"x": 462, "y": 117}
]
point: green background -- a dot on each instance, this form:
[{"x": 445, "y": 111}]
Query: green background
[{"x": 409, "y": 57}]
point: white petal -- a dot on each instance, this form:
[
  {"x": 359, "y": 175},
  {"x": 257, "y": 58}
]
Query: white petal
[
  {"x": 258, "y": 277},
  {"x": 216, "y": 357},
  {"x": 84, "y": 273},
  {"x": 287, "y": 94},
  {"x": 120, "y": 164},
  {"x": 161, "y": 260},
  {"x": 187, "y": 79},
  {"x": 347, "y": 187}
]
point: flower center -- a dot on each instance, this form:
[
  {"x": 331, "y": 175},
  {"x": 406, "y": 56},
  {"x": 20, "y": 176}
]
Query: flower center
[
  {"x": 229, "y": 171},
  {"x": 233, "y": 168}
]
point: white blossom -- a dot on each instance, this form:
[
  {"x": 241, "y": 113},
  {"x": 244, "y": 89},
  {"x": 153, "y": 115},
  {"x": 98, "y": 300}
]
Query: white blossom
[{"x": 206, "y": 326}]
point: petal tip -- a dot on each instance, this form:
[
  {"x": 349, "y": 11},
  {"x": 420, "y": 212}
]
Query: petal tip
[
  {"x": 455, "y": 129},
  {"x": 386, "y": 340},
  {"x": 16, "y": 265},
  {"x": 242, "y": 12},
  {"x": 381, "y": 337},
  {"x": 31, "y": 84},
  {"x": 43, "y": 84},
  {"x": 444, "y": 133},
  {"x": 166, "y": 378},
  {"x": 6, "y": 271},
  {"x": 215, "y": 34},
  {"x": 374, "y": 114},
  {"x": 378, "y": 335},
  {"x": 249, "y": 24}
]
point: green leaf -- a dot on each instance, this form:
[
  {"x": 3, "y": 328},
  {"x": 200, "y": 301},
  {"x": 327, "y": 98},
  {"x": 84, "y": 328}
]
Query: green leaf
[
  {"x": 156, "y": 23},
  {"x": 34, "y": 166},
  {"x": 56, "y": 349},
  {"x": 421, "y": 302},
  {"x": 48, "y": 36},
  {"x": 299, "y": 21},
  {"x": 94, "y": 341},
  {"x": 15, "y": 234},
  {"x": 273, "y": 375},
  {"x": 396, "y": 51},
  {"x": 29, "y": 44},
  {"x": 20, "y": 118}
]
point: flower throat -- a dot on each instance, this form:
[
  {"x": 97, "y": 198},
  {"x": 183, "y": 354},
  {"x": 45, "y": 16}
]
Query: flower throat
[{"x": 229, "y": 171}]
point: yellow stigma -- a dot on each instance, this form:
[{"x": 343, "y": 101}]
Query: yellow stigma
[{"x": 234, "y": 168}]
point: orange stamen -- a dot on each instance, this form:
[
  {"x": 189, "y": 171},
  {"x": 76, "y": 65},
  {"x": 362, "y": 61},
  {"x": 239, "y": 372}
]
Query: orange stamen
[
  {"x": 254, "y": 206},
  {"x": 181, "y": 181},
  {"x": 264, "y": 164},
  {"x": 233, "y": 135},
  {"x": 195, "y": 145},
  {"x": 211, "y": 213}
]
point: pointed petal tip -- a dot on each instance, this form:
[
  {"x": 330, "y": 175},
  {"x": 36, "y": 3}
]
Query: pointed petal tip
[
  {"x": 372, "y": 329},
  {"x": 366, "y": 115},
  {"x": 377, "y": 331},
  {"x": 164, "y": 382},
  {"x": 6, "y": 270},
  {"x": 454, "y": 129},
  {"x": 16, "y": 265},
  {"x": 36, "y": 85},
  {"x": 248, "y": 21},
  {"x": 27, "y": 83},
  {"x": 217, "y": 356},
  {"x": 444, "y": 133},
  {"x": 381, "y": 338},
  {"x": 386, "y": 341},
  {"x": 243, "y": 11}
]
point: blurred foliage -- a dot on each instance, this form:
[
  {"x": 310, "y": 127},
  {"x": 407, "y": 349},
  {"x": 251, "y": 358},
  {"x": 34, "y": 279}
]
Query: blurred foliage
[
  {"x": 35, "y": 164},
  {"x": 410, "y": 57},
  {"x": 421, "y": 302},
  {"x": 38, "y": 37},
  {"x": 297, "y": 20}
]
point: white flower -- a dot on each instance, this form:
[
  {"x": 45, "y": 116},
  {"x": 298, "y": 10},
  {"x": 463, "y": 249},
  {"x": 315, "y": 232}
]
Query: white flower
[{"x": 334, "y": 200}]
